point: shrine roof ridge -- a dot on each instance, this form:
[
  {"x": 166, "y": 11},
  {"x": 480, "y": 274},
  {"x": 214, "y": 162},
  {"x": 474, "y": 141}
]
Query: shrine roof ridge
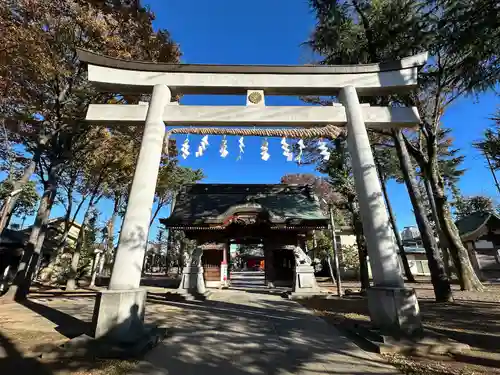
[{"x": 96, "y": 59}]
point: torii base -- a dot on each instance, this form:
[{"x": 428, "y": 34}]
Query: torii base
[
  {"x": 119, "y": 314},
  {"x": 118, "y": 329},
  {"x": 394, "y": 310}
]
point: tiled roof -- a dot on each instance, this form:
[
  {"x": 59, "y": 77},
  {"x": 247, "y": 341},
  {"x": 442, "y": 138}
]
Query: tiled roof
[
  {"x": 20, "y": 238},
  {"x": 203, "y": 204},
  {"x": 468, "y": 225},
  {"x": 12, "y": 237}
]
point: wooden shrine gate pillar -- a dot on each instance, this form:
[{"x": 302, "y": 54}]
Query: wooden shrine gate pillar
[{"x": 279, "y": 259}]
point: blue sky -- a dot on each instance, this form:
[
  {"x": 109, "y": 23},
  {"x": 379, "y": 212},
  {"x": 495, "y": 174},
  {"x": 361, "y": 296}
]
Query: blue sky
[{"x": 271, "y": 32}]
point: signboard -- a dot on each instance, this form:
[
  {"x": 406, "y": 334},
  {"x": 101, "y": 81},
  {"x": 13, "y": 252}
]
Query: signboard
[{"x": 224, "y": 275}]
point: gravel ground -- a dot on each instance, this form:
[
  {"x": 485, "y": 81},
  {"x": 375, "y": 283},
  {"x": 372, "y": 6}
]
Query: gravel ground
[
  {"x": 24, "y": 333},
  {"x": 474, "y": 318}
]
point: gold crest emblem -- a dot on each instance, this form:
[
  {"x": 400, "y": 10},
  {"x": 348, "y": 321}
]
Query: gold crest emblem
[{"x": 255, "y": 97}]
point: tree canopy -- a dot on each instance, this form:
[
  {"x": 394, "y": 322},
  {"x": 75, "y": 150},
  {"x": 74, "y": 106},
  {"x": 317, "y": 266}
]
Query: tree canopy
[
  {"x": 490, "y": 144},
  {"x": 44, "y": 99},
  {"x": 465, "y": 206}
]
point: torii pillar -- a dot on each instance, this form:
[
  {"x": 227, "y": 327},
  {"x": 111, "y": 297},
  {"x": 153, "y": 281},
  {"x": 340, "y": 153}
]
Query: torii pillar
[
  {"x": 392, "y": 306},
  {"x": 119, "y": 311}
]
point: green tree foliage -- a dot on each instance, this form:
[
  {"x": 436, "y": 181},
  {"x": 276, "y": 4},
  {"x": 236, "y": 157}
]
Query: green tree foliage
[
  {"x": 171, "y": 178},
  {"x": 27, "y": 200},
  {"x": 322, "y": 189},
  {"x": 490, "y": 144},
  {"x": 470, "y": 32},
  {"x": 465, "y": 206},
  {"x": 350, "y": 258},
  {"x": 45, "y": 92},
  {"x": 324, "y": 244},
  {"x": 387, "y": 161},
  {"x": 180, "y": 248},
  {"x": 449, "y": 159}
]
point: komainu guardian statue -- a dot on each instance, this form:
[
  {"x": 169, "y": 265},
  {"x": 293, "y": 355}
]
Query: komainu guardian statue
[{"x": 301, "y": 258}]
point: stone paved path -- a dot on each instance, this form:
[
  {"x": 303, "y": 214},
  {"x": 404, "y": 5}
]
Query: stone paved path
[{"x": 243, "y": 332}]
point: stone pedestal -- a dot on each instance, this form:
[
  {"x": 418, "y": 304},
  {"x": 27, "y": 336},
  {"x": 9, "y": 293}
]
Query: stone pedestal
[
  {"x": 394, "y": 310},
  {"x": 304, "y": 282},
  {"x": 192, "y": 282},
  {"x": 119, "y": 314}
]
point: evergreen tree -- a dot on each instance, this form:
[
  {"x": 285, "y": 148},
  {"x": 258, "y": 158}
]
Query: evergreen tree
[
  {"x": 489, "y": 146},
  {"x": 90, "y": 241},
  {"x": 465, "y": 206}
]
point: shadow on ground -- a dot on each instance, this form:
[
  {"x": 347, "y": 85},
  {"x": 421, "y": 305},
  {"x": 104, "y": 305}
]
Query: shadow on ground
[
  {"x": 48, "y": 357},
  {"x": 472, "y": 322},
  {"x": 235, "y": 333},
  {"x": 242, "y": 333},
  {"x": 476, "y": 323}
]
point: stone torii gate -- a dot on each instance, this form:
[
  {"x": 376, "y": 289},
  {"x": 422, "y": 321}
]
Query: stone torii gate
[{"x": 119, "y": 310}]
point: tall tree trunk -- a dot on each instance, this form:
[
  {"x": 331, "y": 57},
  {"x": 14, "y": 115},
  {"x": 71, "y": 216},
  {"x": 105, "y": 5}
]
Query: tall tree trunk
[
  {"x": 67, "y": 216},
  {"x": 159, "y": 206},
  {"x": 10, "y": 204},
  {"x": 95, "y": 268},
  {"x": 466, "y": 275},
  {"x": 392, "y": 219},
  {"x": 9, "y": 218},
  {"x": 22, "y": 282},
  {"x": 440, "y": 282},
  {"x": 39, "y": 244},
  {"x": 442, "y": 240},
  {"x": 111, "y": 232},
  {"x": 364, "y": 276},
  {"x": 75, "y": 259}
]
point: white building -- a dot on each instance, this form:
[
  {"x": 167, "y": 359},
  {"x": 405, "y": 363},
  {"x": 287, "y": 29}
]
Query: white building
[{"x": 410, "y": 233}]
